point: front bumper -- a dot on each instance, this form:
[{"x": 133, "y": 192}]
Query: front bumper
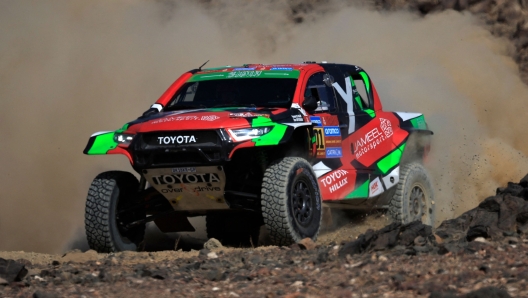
[{"x": 211, "y": 147}]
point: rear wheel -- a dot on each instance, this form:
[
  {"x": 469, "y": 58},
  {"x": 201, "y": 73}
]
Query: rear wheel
[
  {"x": 110, "y": 195},
  {"x": 291, "y": 201},
  {"x": 413, "y": 197}
]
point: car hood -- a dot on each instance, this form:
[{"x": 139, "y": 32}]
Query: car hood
[{"x": 212, "y": 118}]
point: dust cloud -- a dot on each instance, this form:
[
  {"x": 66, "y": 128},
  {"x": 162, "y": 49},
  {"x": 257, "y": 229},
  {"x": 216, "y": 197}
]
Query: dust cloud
[{"x": 71, "y": 68}]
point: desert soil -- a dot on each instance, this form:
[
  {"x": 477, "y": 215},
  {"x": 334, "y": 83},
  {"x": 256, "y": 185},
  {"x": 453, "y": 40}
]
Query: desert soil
[{"x": 307, "y": 270}]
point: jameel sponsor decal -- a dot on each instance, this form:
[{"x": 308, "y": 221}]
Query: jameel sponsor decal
[
  {"x": 316, "y": 120},
  {"x": 334, "y": 152},
  {"x": 332, "y": 131},
  {"x": 373, "y": 138}
]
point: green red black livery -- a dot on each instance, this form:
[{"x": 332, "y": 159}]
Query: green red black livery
[{"x": 247, "y": 140}]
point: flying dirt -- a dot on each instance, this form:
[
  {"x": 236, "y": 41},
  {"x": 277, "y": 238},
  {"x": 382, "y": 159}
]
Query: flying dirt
[{"x": 70, "y": 68}]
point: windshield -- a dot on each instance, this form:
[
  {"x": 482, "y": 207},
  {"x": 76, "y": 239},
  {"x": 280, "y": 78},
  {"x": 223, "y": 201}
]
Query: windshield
[{"x": 259, "y": 92}]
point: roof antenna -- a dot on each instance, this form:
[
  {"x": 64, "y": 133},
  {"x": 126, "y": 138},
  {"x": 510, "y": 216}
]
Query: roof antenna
[{"x": 200, "y": 68}]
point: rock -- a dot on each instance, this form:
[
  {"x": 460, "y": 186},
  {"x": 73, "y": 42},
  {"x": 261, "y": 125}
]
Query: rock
[
  {"x": 42, "y": 294},
  {"x": 422, "y": 249},
  {"x": 480, "y": 239},
  {"x": 449, "y": 4},
  {"x": 33, "y": 272},
  {"x": 65, "y": 275},
  {"x": 77, "y": 256},
  {"x": 398, "y": 278},
  {"x": 212, "y": 255},
  {"x": 420, "y": 241},
  {"x": 256, "y": 259},
  {"x": 484, "y": 268},
  {"x": 214, "y": 275},
  {"x": 297, "y": 284},
  {"x": 488, "y": 292},
  {"x": 438, "y": 239},
  {"x": 524, "y": 181},
  {"x": 212, "y": 244},
  {"x": 443, "y": 295},
  {"x": 11, "y": 270},
  {"x": 3, "y": 282},
  {"x": 306, "y": 244}
]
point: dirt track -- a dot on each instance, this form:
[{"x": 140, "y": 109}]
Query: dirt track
[
  {"x": 272, "y": 272},
  {"x": 479, "y": 254}
]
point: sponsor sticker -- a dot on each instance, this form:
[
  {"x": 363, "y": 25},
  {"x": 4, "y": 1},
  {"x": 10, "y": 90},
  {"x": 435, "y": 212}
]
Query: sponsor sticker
[
  {"x": 186, "y": 178},
  {"x": 187, "y": 118},
  {"x": 188, "y": 186},
  {"x": 332, "y": 131},
  {"x": 320, "y": 140},
  {"x": 335, "y": 180},
  {"x": 316, "y": 120},
  {"x": 386, "y": 126},
  {"x": 373, "y": 138},
  {"x": 375, "y": 187},
  {"x": 297, "y": 118},
  {"x": 171, "y": 140},
  {"x": 333, "y": 152},
  {"x": 184, "y": 170},
  {"x": 243, "y": 68},
  {"x": 247, "y": 115},
  {"x": 244, "y": 74},
  {"x": 281, "y": 68}
]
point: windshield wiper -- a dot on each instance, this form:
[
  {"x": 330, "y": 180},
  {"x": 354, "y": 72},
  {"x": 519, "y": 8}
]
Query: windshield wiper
[{"x": 182, "y": 107}]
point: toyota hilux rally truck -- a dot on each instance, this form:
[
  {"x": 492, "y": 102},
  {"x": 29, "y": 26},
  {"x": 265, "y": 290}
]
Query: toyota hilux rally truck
[{"x": 259, "y": 144}]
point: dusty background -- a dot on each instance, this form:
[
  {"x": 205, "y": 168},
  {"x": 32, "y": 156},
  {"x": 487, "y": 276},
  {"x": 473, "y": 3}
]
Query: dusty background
[{"x": 71, "y": 68}]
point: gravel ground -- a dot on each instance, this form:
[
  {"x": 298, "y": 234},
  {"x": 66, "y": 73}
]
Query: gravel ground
[
  {"x": 482, "y": 253},
  {"x": 278, "y": 272}
]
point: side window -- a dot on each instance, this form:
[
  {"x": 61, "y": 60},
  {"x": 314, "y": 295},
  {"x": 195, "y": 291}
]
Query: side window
[
  {"x": 324, "y": 94},
  {"x": 363, "y": 96}
]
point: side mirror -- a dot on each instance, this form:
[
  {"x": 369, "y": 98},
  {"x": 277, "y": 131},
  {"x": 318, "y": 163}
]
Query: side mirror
[
  {"x": 310, "y": 103},
  {"x": 328, "y": 80}
]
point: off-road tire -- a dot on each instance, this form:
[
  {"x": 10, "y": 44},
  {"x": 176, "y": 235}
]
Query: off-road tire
[
  {"x": 110, "y": 192},
  {"x": 234, "y": 229},
  {"x": 288, "y": 184},
  {"x": 413, "y": 197}
]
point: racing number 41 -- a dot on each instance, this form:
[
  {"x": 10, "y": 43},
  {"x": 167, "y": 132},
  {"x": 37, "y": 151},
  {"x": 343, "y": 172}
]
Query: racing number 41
[{"x": 320, "y": 138}]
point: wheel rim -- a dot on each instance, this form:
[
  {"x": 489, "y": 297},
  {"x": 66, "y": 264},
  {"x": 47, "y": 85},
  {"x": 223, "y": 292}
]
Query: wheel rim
[
  {"x": 417, "y": 203},
  {"x": 302, "y": 207}
]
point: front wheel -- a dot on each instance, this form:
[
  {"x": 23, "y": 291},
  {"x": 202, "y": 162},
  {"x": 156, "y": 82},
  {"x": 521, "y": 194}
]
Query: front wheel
[
  {"x": 413, "y": 197},
  {"x": 108, "y": 212},
  {"x": 291, "y": 201}
]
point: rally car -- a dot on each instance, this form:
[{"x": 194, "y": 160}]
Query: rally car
[{"x": 259, "y": 145}]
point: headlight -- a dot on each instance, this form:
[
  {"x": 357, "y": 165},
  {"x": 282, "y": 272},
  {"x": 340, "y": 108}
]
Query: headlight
[
  {"x": 249, "y": 133},
  {"x": 123, "y": 138}
]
